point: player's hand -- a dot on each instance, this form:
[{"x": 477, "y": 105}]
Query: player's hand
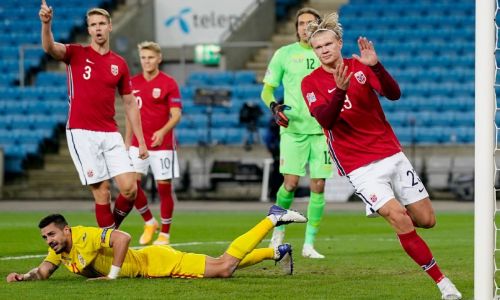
[
  {"x": 341, "y": 77},
  {"x": 279, "y": 113},
  {"x": 13, "y": 277},
  {"x": 143, "y": 151},
  {"x": 99, "y": 278},
  {"x": 157, "y": 138},
  {"x": 367, "y": 51},
  {"x": 45, "y": 12}
]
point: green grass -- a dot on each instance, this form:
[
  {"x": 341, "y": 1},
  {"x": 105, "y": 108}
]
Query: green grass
[{"x": 364, "y": 260}]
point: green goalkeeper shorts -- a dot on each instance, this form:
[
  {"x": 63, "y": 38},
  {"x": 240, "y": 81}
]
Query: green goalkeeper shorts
[{"x": 298, "y": 150}]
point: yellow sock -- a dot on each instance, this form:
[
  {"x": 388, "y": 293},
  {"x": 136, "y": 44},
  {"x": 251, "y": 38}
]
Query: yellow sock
[
  {"x": 256, "y": 256},
  {"x": 245, "y": 243}
]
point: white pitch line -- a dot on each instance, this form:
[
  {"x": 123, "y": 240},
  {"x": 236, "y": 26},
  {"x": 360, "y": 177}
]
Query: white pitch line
[{"x": 184, "y": 244}]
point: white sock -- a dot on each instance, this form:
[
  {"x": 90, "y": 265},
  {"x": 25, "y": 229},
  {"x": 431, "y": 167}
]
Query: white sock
[
  {"x": 151, "y": 221},
  {"x": 273, "y": 219}
]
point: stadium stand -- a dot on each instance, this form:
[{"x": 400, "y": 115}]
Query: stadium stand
[{"x": 430, "y": 51}]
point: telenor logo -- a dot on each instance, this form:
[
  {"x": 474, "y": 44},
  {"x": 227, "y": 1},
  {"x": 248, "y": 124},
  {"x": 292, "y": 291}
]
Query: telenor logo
[{"x": 182, "y": 23}]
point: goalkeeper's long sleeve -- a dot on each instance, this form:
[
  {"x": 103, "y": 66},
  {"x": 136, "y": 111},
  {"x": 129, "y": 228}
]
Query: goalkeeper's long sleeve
[{"x": 267, "y": 94}]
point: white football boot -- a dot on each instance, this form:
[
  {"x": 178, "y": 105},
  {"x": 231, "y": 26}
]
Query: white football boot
[
  {"x": 448, "y": 290},
  {"x": 310, "y": 252}
]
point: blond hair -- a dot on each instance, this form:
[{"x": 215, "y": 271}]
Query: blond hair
[
  {"x": 148, "y": 45},
  {"x": 329, "y": 23},
  {"x": 98, "y": 11}
]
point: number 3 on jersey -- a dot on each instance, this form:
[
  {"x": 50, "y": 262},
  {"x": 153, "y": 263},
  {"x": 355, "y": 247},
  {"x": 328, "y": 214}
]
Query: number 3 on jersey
[{"x": 86, "y": 74}]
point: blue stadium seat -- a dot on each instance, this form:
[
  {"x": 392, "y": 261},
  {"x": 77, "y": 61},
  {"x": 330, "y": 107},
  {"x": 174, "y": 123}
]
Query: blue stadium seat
[{"x": 244, "y": 77}]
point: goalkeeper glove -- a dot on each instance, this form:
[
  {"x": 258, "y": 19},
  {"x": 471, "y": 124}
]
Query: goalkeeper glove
[{"x": 278, "y": 113}]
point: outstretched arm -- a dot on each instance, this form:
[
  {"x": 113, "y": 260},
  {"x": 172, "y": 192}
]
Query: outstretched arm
[
  {"x": 54, "y": 49},
  {"x": 44, "y": 271}
]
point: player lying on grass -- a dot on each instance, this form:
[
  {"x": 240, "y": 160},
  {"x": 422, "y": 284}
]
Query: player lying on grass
[{"x": 105, "y": 254}]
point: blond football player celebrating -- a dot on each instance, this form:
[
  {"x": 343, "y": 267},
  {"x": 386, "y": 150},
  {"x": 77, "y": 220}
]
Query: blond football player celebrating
[{"x": 342, "y": 96}]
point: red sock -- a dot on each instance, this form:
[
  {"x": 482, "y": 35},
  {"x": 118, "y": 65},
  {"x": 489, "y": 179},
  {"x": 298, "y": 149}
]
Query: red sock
[
  {"x": 141, "y": 203},
  {"x": 166, "y": 206},
  {"x": 104, "y": 216},
  {"x": 122, "y": 207},
  {"x": 418, "y": 250}
]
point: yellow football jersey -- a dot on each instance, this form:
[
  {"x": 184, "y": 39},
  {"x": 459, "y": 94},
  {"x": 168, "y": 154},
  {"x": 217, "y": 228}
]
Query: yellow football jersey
[{"x": 92, "y": 256}]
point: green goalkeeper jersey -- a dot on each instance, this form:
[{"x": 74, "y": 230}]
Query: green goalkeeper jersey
[{"x": 289, "y": 65}]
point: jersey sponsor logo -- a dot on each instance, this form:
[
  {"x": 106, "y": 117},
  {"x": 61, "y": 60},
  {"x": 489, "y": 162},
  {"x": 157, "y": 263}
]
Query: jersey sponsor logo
[
  {"x": 89, "y": 61},
  {"x": 81, "y": 260},
  {"x": 176, "y": 100},
  {"x": 90, "y": 173},
  {"x": 373, "y": 198},
  {"x": 311, "y": 97},
  {"x": 114, "y": 70},
  {"x": 331, "y": 91},
  {"x": 360, "y": 77},
  {"x": 156, "y": 93}
]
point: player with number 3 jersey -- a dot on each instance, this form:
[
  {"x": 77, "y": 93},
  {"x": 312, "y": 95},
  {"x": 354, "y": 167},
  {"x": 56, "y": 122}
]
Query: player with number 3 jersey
[{"x": 96, "y": 147}]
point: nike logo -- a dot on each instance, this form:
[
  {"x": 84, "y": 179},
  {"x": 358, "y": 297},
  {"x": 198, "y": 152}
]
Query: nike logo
[
  {"x": 89, "y": 61},
  {"x": 331, "y": 91},
  {"x": 420, "y": 191},
  {"x": 135, "y": 91}
]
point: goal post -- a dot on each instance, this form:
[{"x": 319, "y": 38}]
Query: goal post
[{"x": 485, "y": 150}]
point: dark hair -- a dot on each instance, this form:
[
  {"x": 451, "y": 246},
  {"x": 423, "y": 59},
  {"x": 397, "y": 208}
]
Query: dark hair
[
  {"x": 57, "y": 219},
  {"x": 305, "y": 10}
]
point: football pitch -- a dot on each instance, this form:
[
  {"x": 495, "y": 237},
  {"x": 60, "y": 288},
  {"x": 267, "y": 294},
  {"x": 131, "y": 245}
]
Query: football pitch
[{"x": 363, "y": 260}]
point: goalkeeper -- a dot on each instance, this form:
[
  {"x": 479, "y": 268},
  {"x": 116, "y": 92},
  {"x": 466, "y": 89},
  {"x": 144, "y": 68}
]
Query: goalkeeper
[
  {"x": 302, "y": 141},
  {"x": 103, "y": 253}
]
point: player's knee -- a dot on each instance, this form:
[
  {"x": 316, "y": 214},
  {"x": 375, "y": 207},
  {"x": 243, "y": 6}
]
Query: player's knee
[
  {"x": 291, "y": 186},
  {"x": 317, "y": 186},
  {"x": 427, "y": 222},
  {"x": 226, "y": 271},
  {"x": 130, "y": 193},
  {"x": 400, "y": 220}
]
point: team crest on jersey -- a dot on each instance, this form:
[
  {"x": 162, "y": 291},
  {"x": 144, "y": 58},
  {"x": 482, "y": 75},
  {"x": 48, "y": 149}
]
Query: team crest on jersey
[
  {"x": 311, "y": 97},
  {"x": 156, "y": 93},
  {"x": 90, "y": 173},
  {"x": 114, "y": 70},
  {"x": 373, "y": 198},
  {"x": 360, "y": 77}
]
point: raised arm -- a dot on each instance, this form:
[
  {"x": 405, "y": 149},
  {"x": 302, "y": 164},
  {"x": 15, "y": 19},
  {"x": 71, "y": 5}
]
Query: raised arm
[
  {"x": 44, "y": 271},
  {"x": 134, "y": 117},
  {"x": 389, "y": 86},
  {"x": 54, "y": 49}
]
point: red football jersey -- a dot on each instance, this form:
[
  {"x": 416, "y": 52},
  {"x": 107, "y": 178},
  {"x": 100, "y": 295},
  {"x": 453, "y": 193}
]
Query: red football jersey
[
  {"x": 361, "y": 134},
  {"x": 92, "y": 82},
  {"x": 155, "y": 98}
]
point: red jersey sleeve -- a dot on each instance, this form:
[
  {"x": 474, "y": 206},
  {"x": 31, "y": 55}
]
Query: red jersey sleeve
[
  {"x": 70, "y": 50},
  {"x": 125, "y": 86},
  {"x": 383, "y": 82},
  {"x": 174, "y": 95}
]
